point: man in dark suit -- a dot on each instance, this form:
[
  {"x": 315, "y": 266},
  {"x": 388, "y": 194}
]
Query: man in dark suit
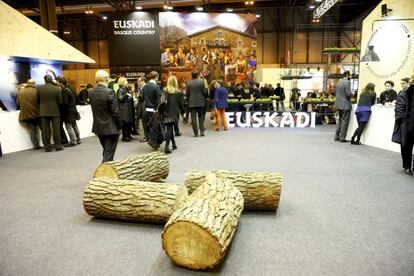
[
  {"x": 196, "y": 93},
  {"x": 280, "y": 92},
  {"x": 343, "y": 95},
  {"x": 151, "y": 93},
  {"x": 106, "y": 122},
  {"x": 49, "y": 98}
]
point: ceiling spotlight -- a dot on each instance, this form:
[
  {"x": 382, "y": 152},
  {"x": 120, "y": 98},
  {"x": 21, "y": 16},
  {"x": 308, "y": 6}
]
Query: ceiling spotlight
[
  {"x": 170, "y": 8},
  {"x": 251, "y": 2},
  {"x": 138, "y": 8},
  {"x": 247, "y": 2},
  {"x": 257, "y": 15},
  {"x": 104, "y": 17},
  {"x": 200, "y": 9},
  {"x": 165, "y": 7},
  {"x": 311, "y": 7},
  {"x": 66, "y": 32},
  {"x": 229, "y": 9},
  {"x": 318, "y": 1}
]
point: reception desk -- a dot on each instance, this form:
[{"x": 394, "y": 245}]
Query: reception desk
[
  {"x": 379, "y": 130},
  {"x": 15, "y": 137}
]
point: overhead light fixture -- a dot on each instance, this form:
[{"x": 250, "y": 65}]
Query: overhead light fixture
[
  {"x": 257, "y": 15},
  {"x": 66, "y": 32},
  {"x": 249, "y": 3},
  {"x": 138, "y": 8},
  {"x": 170, "y": 8},
  {"x": 385, "y": 10},
  {"x": 318, "y": 1},
  {"x": 324, "y": 7},
  {"x": 200, "y": 9},
  {"x": 88, "y": 10},
  {"x": 370, "y": 55},
  {"x": 229, "y": 9},
  {"x": 312, "y": 7},
  {"x": 104, "y": 17}
]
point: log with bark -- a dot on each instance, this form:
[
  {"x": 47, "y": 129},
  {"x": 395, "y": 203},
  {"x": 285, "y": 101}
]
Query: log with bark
[
  {"x": 261, "y": 191},
  {"x": 148, "y": 167},
  {"x": 132, "y": 200},
  {"x": 199, "y": 232}
]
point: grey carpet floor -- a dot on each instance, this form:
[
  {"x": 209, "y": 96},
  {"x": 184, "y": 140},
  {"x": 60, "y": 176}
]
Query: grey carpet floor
[{"x": 344, "y": 210}]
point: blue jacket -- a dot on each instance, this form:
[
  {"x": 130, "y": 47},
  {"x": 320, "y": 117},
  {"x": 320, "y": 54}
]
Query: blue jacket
[{"x": 220, "y": 97}]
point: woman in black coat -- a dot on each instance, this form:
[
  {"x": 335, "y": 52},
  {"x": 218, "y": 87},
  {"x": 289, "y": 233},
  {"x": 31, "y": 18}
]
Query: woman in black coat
[
  {"x": 125, "y": 101},
  {"x": 404, "y": 127},
  {"x": 171, "y": 110}
]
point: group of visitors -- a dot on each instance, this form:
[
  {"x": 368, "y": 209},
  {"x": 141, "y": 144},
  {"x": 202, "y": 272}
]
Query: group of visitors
[
  {"x": 47, "y": 108},
  {"x": 158, "y": 109},
  {"x": 403, "y": 133}
]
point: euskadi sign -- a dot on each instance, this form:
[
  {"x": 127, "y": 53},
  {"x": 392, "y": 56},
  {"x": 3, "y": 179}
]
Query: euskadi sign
[{"x": 271, "y": 119}]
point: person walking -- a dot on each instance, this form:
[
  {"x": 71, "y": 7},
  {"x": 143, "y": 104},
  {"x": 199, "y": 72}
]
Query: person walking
[
  {"x": 280, "y": 92},
  {"x": 70, "y": 114},
  {"x": 220, "y": 103},
  {"x": 343, "y": 95},
  {"x": 196, "y": 95},
  {"x": 29, "y": 111},
  {"x": 171, "y": 111},
  {"x": 404, "y": 127},
  {"x": 125, "y": 109},
  {"x": 363, "y": 112},
  {"x": 106, "y": 123}
]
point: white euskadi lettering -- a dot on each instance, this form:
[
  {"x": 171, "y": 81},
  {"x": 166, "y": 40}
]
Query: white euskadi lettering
[
  {"x": 134, "y": 24},
  {"x": 271, "y": 119}
]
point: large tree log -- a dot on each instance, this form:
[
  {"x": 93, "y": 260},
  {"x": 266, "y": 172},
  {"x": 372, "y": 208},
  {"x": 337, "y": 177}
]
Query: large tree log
[
  {"x": 200, "y": 230},
  {"x": 261, "y": 191},
  {"x": 132, "y": 200},
  {"x": 148, "y": 167}
]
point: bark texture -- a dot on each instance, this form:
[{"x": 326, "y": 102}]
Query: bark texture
[
  {"x": 261, "y": 191},
  {"x": 199, "y": 232},
  {"x": 148, "y": 167},
  {"x": 132, "y": 200}
]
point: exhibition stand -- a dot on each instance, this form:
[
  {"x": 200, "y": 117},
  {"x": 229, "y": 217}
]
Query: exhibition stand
[
  {"x": 379, "y": 130},
  {"x": 14, "y": 136}
]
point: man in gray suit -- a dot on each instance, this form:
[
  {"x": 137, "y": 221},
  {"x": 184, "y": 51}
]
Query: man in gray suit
[
  {"x": 343, "y": 95},
  {"x": 196, "y": 95},
  {"x": 49, "y": 99},
  {"x": 106, "y": 122}
]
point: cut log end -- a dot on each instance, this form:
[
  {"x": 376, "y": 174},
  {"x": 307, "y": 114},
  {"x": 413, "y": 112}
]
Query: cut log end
[
  {"x": 105, "y": 171},
  {"x": 191, "y": 246}
]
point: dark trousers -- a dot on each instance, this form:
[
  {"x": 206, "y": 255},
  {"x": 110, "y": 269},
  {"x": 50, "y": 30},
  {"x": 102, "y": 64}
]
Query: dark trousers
[
  {"x": 169, "y": 135},
  {"x": 359, "y": 130},
  {"x": 55, "y": 121},
  {"x": 176, "y": 128},
  {"x": 33, "y": 125},
  {"x": 407, "y": 151},
  {"x": 140, "y": 115},
  {"x": 126, "y": 130},
  {"x": 109, "y": 144},
  {"x": 282, "y": 105},
  {"x": 146, "y": 119},
  {"x": 201, "y": 115},
  {"x": 343, "y": 122},
  {"x": 63, "y": 137}
]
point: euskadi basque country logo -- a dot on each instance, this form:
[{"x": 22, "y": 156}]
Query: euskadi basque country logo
[
  {"x": 134, "y": 27},
  {"x": 271, "y": 119},
  {"x": 392, "y": 41}
]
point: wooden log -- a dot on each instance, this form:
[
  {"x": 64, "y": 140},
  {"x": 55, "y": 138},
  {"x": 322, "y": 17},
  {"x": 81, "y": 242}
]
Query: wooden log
[
  {"x": 132, "y": 200},
  {"x": 148, "y": 167},
  {"x": 261, "y": 191},
  {"x": 200, "y": 230}
]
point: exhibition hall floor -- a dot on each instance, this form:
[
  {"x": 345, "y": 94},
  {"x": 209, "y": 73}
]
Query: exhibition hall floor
[{"x": 344, "y": 210}]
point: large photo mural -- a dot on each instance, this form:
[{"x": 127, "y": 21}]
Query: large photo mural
[{"x": 218, "y": 45}]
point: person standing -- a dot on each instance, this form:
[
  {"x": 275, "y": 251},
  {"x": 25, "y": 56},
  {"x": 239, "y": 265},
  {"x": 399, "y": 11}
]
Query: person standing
[
  {"x": 70, "y": 114},
  {"x": 29, "y": 111},
  {"x": 389, "y": 95},
  {"x": 171, "y": 111},
  {"x": 83, "y": 95},
  {"x": 405, "y": 83},
  {"x": 196, "y": 96},
  {"x": 280, "y": 92},
  {"x": 343, "y": 95},
  {"x": 363, "y": 111},
  {"x": 106, "y": 123},
  {"x": 125, "y": 109},
  {"x": 151, "y": 93},
  {"x": 220, "y": 103},
  {"x": 49, "y": 98},
  {"x": 404, "y": 127},
  {"x": 140, "y": 106}
]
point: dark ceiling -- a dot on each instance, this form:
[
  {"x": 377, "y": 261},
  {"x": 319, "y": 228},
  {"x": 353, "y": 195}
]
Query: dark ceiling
[{"x": 346, "y": 10}]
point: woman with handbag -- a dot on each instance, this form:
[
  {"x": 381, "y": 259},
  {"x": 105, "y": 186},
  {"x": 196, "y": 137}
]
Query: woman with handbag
[
  {"x": 404, "y": 127},
  {"x": 171, "y": 108}
]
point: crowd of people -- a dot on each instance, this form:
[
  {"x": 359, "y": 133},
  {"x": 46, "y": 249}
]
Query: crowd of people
[{"x": 122, "y": 107}]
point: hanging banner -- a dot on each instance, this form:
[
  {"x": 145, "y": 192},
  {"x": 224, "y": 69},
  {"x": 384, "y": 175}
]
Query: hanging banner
[{"x": 133, "y": 39}]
